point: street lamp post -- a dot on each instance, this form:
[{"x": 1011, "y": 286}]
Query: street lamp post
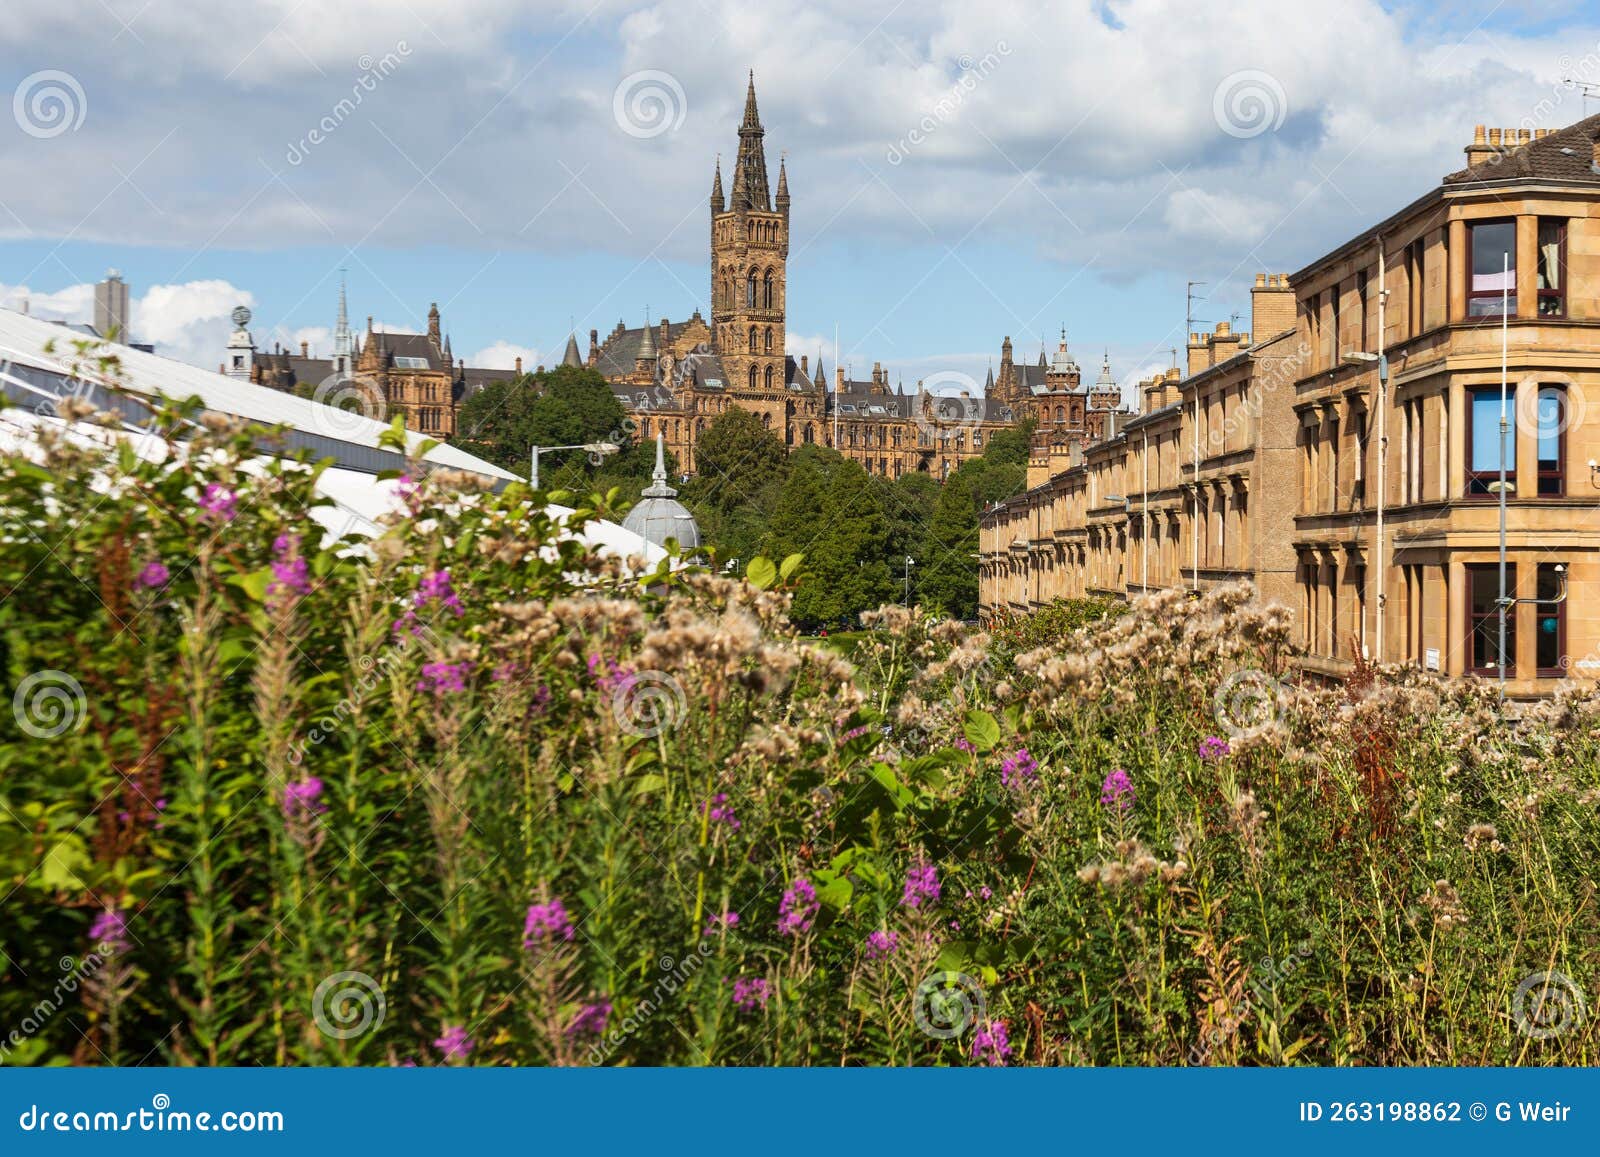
[
  {"x": 600, "y": 449},
  {"x": 910, "y": 562}
]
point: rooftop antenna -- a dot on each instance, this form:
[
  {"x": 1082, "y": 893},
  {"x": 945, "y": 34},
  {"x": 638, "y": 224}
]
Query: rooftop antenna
[
  {"x": 1189, "y": 318},
  {"x": 1587, "y": 88}
]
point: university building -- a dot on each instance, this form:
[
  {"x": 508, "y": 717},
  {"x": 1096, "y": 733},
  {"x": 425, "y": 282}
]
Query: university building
[
  {"x": 1348, "y": 458},
  {"x": 675, "y": 378},
  {"x": 413, "y": 375}
]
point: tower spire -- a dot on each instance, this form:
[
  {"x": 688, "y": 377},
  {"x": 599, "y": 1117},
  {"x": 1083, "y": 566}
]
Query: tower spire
[
  {"x": 344, "y": 346},
  {"x": 718, "y": 204},
  {"x": 750, "y": 171},
  {"x": 782, "y": 199}
]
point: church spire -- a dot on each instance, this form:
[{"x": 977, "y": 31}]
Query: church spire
[
  {"x": 782, "y": 200},
  {"x": 752, "y": 118},
  {"x": 750, "y": 171},
  {"x": 344, "y": 344},
  {"x": 717, "y": 202}
]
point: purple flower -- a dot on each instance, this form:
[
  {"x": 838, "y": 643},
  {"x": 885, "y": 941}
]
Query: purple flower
[
  {"x": 853, "y": 733},
  {"x": 881, "y": 944},
  {"x": 728, "y": 920},
  {"x": 798, "y": 908},
  {"x": 1214, "y": 747},
  {"x": 990, "y": 1045},
  {"x": 591, "y": 1019},
  {"x": 443, "y": 678},
  {"x": 721, "y": 811},
  {"x": 963, "y": 745},
  {"x": 289, "y": 575},
  {"x": 436, "y": 587},
  {"x": 609, "y": 675},
  {"x": 1117, "y": 790},
  {"x": 1019, "y": 769},
  {"x": 153, "y": 576},
  {"x": 219, "y": 503},
  {"x": 303, "y": 798},
  {"x": 546, "y": 922},
  {"x": 110, "y": 930},
  {"x": 454, "y": 1042},
  {"x": 750, "y": 994},
  {"x": 922, "y": 885}
]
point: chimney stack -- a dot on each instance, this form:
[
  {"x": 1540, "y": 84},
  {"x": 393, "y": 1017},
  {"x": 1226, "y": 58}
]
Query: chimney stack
[
  {"x": 1271, "y": 306},
  {"x": 1478, "y": 151},
  {"x": 594, "y": 346},
  {"x": 519, "y": 365},
  {"x": 305, "y": 349}
]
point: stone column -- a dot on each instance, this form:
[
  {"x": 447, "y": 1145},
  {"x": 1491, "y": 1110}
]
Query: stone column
[
  {"x": 1527, "y": 295},
  {"x": 1456, "y": 272}
]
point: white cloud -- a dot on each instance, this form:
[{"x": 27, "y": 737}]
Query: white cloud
[
  {"x": 503, "y": 355},
  {"x": 75, "y": 303},
  {"x": 188, "y": 321},
  {"x": 1081, "y": 138}
]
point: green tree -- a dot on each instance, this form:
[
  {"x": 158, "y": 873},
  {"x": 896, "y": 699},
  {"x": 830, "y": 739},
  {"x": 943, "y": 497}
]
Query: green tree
[
  {"x": 947, "y": 578},
  {"x": 736, "y": 458},
  {"x": 566, "y": 406},
  {"x": 830, "y": 510}
]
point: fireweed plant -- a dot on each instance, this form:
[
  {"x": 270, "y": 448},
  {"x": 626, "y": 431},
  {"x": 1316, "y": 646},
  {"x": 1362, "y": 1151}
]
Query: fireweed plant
[{"x": 468, "y": 794}]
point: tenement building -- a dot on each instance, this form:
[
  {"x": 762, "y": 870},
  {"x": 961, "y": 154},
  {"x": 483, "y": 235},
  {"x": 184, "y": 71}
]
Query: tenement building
[
  {"x": 675, "y": 378},
  {"x": 1185, "y": 493},
  {"x": 413, "y": 375},
  {"x": 1350, "y": 457}
]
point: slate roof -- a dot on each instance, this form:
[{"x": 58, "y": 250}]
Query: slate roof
[
  {"x": 619, "y": 352},
  {"x": 1565, "y": 156}
]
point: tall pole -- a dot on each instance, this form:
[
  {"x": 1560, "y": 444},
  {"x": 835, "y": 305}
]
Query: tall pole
[
  {"x": 1505, "y": 304},
  {"x": 1195, "y": 521},
  {"x": 1383, "y": 443},
  {"x": 1144, "y": 515},
  {"x": 533, "y": 473}
]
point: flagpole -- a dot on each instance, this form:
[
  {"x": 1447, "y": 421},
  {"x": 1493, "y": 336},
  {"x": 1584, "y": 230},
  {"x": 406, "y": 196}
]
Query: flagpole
[{"x": 1505, "y": 304}]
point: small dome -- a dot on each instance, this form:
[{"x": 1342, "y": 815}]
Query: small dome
[{"x": 659, "y": 515}]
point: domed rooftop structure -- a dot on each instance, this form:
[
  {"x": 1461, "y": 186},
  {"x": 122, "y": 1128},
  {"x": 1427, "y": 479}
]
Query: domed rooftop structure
[{"x": 659, "y": 515}]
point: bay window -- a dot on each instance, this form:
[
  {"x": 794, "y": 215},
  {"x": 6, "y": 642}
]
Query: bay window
[
  {"x": 1492, "y": 256},
  {"x": 1552, "y": 267}
]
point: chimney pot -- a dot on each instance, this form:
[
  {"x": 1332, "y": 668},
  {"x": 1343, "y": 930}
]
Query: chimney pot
[
  {"x": 1494, "y": 138},
  {"x": 1478, "y": 135},
  {"x": 1261, "y": 280},
  {"x": 519, "y": 365},
  {"x": 305, "y": 349}
]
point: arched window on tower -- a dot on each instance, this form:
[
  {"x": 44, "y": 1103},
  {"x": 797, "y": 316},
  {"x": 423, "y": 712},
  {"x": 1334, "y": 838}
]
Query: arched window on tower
[
  {"x": 769, "y": 339},
  {"x": 752, "y": 339},
  {"x": 769, "y": 374},
  {"x": 766, "y": 291},
  {"x": 1060, "y": 415},
  {"x": 752, "y": 373},
  {"x": 750, "y": 290}
]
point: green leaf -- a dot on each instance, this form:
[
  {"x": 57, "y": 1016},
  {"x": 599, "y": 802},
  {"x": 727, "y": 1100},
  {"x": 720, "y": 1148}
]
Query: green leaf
[
  {"x": 761, "y": 574},
  {"x": 898, "y": 792},
  {"x": 790, "y": 565},
  {"x": 649, "y": 783},
  {"x": 981, "y": 730},
  {"x": 253, "y": 584},
  {"x": 59, "y": 871}
]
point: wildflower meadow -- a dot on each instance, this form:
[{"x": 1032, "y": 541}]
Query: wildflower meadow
[{"x": 469, "y": 794}]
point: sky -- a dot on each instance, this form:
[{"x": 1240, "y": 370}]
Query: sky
[{"x": 960, "y": 172}]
